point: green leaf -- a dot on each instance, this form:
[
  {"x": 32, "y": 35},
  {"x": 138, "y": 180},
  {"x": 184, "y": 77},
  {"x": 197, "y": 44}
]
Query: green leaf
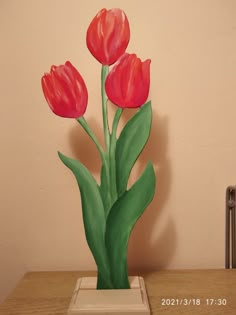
[
  {"x": 131, "y": 143},
  {"x": 93, "y": 217},
  {"x": 121, "y": 220}
]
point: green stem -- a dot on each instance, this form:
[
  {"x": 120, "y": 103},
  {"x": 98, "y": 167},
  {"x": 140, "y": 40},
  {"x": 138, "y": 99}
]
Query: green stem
[
  {"x": 115, "y": 122},
  {"x": 112, "y": 154},
  {"x": 105, "y": 70},
  {"x": 86, "y": 127},
  {"x": 104, "y": 73}
]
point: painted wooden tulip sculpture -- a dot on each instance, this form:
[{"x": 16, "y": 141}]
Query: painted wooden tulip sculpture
[{"x": 110, "y": 210}]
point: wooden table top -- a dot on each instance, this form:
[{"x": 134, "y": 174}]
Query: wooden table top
[{"x": 195, "y": 292}]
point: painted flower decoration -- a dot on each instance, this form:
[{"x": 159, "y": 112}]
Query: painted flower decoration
[
  {"x": 108, "y": 35},
  {"x": 127, "y": 84},
  {"x": 65, "y": 91},
  {"x": 110, "y": 208}
]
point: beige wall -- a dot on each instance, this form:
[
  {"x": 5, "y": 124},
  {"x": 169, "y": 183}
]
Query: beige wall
[{"x": 193, "y": 145}]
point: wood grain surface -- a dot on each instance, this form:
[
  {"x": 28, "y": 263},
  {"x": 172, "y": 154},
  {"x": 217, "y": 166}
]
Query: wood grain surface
[{"x": 49, "y": 293}]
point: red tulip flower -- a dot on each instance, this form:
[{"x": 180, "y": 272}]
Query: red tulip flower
[
  {"x": 65, "y": 91},
  {"x": 127, "y": 84},
  {"x": 108, "y": 35}
]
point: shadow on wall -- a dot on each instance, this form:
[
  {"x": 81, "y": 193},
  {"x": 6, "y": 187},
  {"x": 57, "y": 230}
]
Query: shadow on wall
[
  {"x": 144, "y": 251},
  {"x": 83, "y": 147},
  {"x": 12, "y": 269}
]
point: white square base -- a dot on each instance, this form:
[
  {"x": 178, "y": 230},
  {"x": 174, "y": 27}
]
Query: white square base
[{"x": 87, "y": 300}]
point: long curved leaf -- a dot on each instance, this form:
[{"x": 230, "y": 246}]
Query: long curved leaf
[
  {"x": 93, "y": 216},
  {"x": 121, "y": 220},
  {"x": 131, "y": 143}
]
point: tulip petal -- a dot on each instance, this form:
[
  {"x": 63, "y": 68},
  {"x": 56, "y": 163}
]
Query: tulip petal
[
  {"x": 127, "y": 84},
  {"x": 108, "y": 35},
  {"x": 65, "y": 91}
]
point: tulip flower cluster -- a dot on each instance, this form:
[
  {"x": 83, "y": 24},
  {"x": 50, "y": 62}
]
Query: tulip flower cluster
[{"x": 110, "y": 209}]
